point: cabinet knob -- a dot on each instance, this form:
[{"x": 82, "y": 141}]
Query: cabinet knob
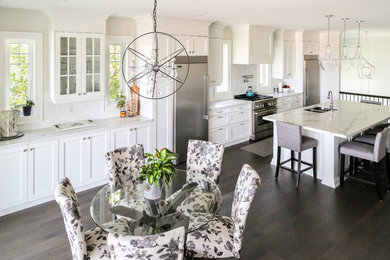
[
  {"x": 219, "y": 129},
  {"x": 242, "y": 124},
  {"x": 84, "y": 138},
  {"x": 89, "y": 137},
  {"x": 80, "y": 94},
  {"x": 84, "y": 93},
  {"x": 219, "y": 117},
  {"x": 135, "y": 129},
  {"x": 25, "y": 150},
  {"x": 31, "y": 149},
  {"x": 131, "y": 129}
]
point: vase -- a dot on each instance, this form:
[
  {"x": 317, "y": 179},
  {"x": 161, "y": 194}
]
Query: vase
[
  {"x": 27, "y": 110},
  {"x": 152, "y": 192}
]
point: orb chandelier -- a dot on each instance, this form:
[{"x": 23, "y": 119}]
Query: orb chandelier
[{"x": 152, "y": 70}]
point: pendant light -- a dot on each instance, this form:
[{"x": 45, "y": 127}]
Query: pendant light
[
  {"x": 345, "y": 61},
  {"x": 326, "y": 62},
  {"x": 366, "y": 70},
  {"x": 358, "y": 59}
]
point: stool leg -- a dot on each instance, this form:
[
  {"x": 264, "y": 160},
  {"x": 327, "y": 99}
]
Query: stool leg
[
  {"x": 342, "y": 168},
  {"x": 315, "y": 162},
  {"x": 277, "y": 163},
  {"x": 299, "y": 169},
  {"x": 292, "y": 160},
  {"x": 376, "y": 173},
  {"x": 388, "y": 168},
  {"x": 356, "y": 166},
  {"x": 350, "y": 165}
]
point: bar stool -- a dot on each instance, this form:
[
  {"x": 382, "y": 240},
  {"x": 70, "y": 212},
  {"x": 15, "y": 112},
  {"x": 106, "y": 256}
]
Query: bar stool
[
  {"x": 378, "y": 128},
  {"x": 290, "y": 137},
  {"x": 373, "y": 153}
]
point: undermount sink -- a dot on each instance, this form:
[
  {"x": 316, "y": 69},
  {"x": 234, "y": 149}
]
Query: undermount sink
[{"x": 320, "y": 109}]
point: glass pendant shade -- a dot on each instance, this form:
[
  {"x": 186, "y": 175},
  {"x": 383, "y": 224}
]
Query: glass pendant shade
[
  {"x": 345, "y": 61},
  {"x": 358, "y": 60},
  {"x": 327, "y": 62},
  {"x": 366, "y": 71}
]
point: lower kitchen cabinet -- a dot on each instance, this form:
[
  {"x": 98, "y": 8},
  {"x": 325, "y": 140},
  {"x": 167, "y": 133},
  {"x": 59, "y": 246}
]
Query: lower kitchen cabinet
[
  {"x": 287, "y": 103},
  {"x": 219, "y": 135},
  {"x": 96, "y": 146},
  {"x": 141, "y": 134},
  {"x": 240, "y": 130},
  {"x": 13, "y": 177},
  {"x": 71, "y": 159}
]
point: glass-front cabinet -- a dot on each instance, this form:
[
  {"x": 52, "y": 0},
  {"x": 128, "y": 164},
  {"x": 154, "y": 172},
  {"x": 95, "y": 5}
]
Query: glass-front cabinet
[{"x": 78, "y": 67}]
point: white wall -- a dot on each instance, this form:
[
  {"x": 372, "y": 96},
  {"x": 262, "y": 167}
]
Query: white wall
[
  {"x": 378, "y": 55},
  {"x": 35, "y": 21}
]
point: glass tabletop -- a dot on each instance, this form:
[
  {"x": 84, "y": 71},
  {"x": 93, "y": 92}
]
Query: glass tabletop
[{"x": 127, "y": 211}]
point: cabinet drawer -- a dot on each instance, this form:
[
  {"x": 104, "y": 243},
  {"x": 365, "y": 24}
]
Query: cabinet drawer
[
  {"x": 297, "y": 104},
  {"x": 283, "y": 100},
  {"x": 240, "y": 116},
  {"x": 240, "y": 130},
  {"x": 216, "y": 121},
  {"x": 296, "y": 98},
  {"x": 241, "y": 107},
  {"x": 219, "y": 135},
  {"x": 219, "y": 111}
]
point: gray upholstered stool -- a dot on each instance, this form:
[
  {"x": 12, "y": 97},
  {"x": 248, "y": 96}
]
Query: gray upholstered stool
[
  {"x": 373, "y": 153},
  {"x": 290, "y": 137},
  {"x": 378, "y": 128},
  {"x": 370, "y": 102}
]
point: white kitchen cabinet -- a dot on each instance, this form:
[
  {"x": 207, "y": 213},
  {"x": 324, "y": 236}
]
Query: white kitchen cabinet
[
  {"x": 195, "y": 45},
  {"x": 13, "y": 177},
  {"x": 141, "y": 134},
  {"x": 240, "y": 130},
  {"x": 310, "y": 48},
  {"x": 42, "y": 169},
  {"x": 288, "y": 59},
  {"x": 286, "y": 103},
  {"x": 252, "y": 44},
  {"x": 78, "y": 67},
  {"x": 215, "y": 61},
  {"x": 71, "y": 159},
  {"x": 219, "y": 135},
  {"x": 96, "y": 146}
]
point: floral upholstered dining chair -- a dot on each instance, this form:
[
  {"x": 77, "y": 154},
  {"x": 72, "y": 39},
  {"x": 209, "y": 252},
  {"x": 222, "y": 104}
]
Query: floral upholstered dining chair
[
  {"x": 222, "y": 236},
  {"x": 168, "y": 245},
  {"x": 90, "y": 244},
  {"x": 204, "y": 161},
  {"x": 124, "y": 164}
]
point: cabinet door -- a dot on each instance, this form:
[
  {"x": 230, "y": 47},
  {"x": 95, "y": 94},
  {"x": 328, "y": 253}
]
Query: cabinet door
[
  {"x": 310, "y": 48},
  {"x": 42, "y": 169},
  {"x": 13, "y": 177},
  {"x": 93, "y": 64},
  {"x": 240, "y": 130},
  {"x": 97, "y": 145},
  {"x": 143, "y": 135},
  {"x": 120, "y": 138},
  {"x": 71, "y": 159},
  {"x": 260, "y": 47},
  {"x": 186, "y": 43},
  {"x": 67, "y": 66},
  {"x": 215, "y": 61},
  {"x": 199, "y": 46},
  {"x": 219, "y": 135},
  {"x": 289, "y": 59}
]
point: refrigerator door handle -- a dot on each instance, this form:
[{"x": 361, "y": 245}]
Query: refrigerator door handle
[{"x": 206, "y": 84}]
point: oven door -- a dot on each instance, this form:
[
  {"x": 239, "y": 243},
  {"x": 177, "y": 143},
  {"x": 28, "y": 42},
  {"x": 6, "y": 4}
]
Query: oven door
[{"x": 259, "y": 124}]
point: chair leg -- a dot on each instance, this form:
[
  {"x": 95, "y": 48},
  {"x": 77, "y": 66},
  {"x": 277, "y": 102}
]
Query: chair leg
[
  {"x": 299, "y": 169},
  {"x": 277, "y": 162},
  {"x": 388, "y": 168},
  {"x": 342, "y": 169},
  {"x": 356, "y": 166},
  {"x": 376, "y": 175},
  {"x": 351, "y": 168},
  {"x": 315, "y": 163},
  {"x": 292, "y": 160}
]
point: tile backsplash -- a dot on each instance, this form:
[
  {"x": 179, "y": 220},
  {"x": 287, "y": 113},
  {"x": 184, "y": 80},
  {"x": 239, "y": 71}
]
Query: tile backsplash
[{"x": 237, "y": 73}]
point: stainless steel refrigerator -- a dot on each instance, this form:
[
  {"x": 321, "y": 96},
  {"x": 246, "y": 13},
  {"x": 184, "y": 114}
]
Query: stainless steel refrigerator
[
  {"x": 191, "y": 104},
  {"x": 311, "y": 79}
]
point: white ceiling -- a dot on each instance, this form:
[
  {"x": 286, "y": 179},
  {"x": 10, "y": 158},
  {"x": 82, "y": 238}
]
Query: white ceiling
[{"x": 288, "y": 14}]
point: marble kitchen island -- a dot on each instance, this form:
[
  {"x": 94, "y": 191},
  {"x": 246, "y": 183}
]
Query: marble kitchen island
[{"x": 330, "y": 129}]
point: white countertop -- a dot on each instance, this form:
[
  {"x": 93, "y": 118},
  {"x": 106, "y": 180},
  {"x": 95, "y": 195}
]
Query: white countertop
[
  {"x": 228, "y": 103},
  {"x": 278, "y": 95},
  {"x": 51, "y": 132},
  {"x": 350, "y": 119}
]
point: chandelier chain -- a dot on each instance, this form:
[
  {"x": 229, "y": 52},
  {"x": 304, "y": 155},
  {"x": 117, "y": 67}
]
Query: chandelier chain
[{"x": 155, "y": 16}]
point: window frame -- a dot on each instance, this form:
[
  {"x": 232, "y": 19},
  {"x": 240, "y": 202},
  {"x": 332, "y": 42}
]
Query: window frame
[
  {"x": 225, "y": 94},
  {"x": 35, "y": 41},
  {"x": 123, "y": 41}
]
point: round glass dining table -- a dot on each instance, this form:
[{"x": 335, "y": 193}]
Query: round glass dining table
[{"x": 127, "y": 211}]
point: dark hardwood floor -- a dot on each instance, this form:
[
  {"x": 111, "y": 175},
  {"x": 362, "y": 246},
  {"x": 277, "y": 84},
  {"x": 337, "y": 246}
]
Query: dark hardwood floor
[{"x": 312, "y": 222}]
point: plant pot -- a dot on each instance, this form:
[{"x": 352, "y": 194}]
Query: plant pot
[
  {"x": 152, "y": 192},
  {"x": 27, "y": 110}
]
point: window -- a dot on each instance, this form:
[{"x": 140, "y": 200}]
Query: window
[
  {"x": 224, "y": 88},
  {"x": 115, "y": 51},
  {"x": 22, "y": 71},
  {"x": 264, "y": 75}
]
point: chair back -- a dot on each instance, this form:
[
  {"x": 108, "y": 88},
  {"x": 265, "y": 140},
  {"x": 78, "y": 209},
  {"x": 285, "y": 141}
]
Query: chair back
[
  {"x": 380, "y": 144},
  {"x": 246, "y": 187},
  {"x": 168, "y": 245},
  {"x": 204, "y": 161},
  {"x": 370, "y": 102},
  {"x": 123, "y": 165},
  {"x": 289, "y": 136},
  {"x": 67, "y": 200}
]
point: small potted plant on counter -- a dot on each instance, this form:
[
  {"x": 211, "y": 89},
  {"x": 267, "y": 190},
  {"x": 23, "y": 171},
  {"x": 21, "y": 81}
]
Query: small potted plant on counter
[
  {"x": 27, "y": 107},
  {"x": 120, "y": 103},
  {"x": 158, "y": 168}
]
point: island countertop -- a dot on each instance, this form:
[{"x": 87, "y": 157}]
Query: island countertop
[{"x": 348, "y": 120}]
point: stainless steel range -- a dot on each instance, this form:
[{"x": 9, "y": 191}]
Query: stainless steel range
[{"x": 261, "y": 106}]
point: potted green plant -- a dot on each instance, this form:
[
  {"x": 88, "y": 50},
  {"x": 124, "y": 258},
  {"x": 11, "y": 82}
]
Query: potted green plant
[
  {"x": 157, "y": 168},
  {"x": 27, "y": 107},
  {"x": 120, "y": 103}
]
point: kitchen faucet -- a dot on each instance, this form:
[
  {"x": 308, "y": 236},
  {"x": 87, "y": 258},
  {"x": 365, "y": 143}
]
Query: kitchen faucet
[{"x": 330, "y": 96}]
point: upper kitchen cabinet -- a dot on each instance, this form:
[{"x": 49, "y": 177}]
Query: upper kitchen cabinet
[
  {"x": 215, "y": 58},
  {"x": 288, "y": 59},
  {"x": 310, "y": 47},
  {"x": 78, "y": 67},
  {"x": 195, "y": 45},
  {"x": 252, "y": 44}
]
